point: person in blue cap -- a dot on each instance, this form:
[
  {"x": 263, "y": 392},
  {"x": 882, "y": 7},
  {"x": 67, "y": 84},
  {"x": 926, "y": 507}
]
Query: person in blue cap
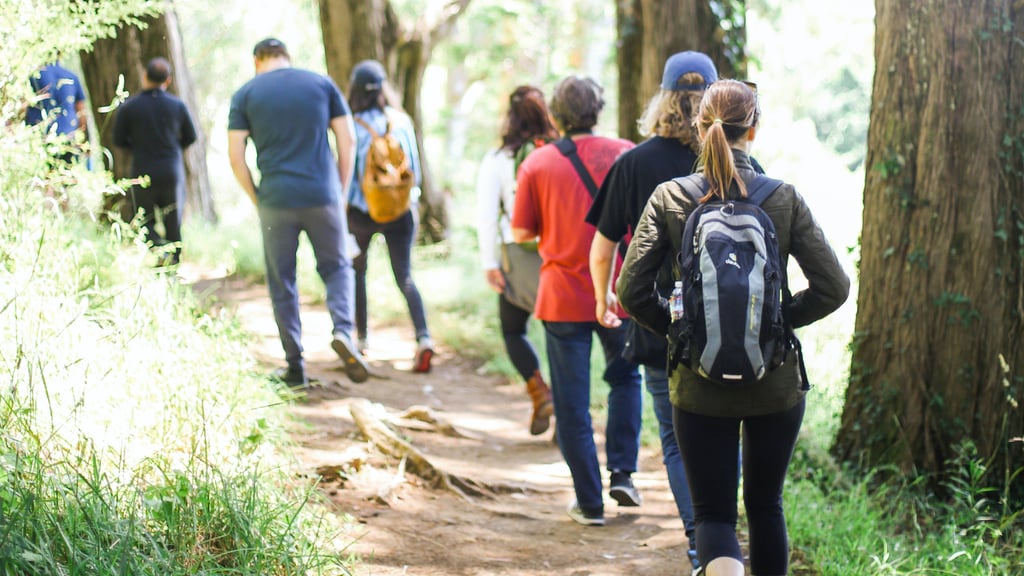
[
  {"x": 60, "y": 103},
  {"x": 670, "y": 151}
]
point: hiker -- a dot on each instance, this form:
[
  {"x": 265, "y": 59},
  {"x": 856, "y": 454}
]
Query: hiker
[
  {"x": 527, "y": 125},
  {"x": 156, "y": 127},
  {"x": 60, "y": 103},
  {"x": 287, "y": 113},
  {"x": 555, "y": 188},
  {"x": 670, "y": 150},
  {"x": 375, "y": 107},
  {"x": 708, "y": 414}
]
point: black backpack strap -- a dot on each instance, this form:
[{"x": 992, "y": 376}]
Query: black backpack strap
[
  {"x": 568, "y": 149},
  {"x": 760, "y": 188}
]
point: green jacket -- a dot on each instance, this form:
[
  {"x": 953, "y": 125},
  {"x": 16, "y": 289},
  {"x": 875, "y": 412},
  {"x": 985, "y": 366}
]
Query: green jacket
[{"x": 657, "y": 239}]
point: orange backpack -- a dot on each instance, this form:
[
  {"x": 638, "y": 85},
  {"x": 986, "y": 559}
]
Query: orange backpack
[{"x": 387, "y": 177}]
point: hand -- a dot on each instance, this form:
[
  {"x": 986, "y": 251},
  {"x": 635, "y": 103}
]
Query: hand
[
  {"x": 495, "y": 280},
  {"x": 607, "y": 311}
]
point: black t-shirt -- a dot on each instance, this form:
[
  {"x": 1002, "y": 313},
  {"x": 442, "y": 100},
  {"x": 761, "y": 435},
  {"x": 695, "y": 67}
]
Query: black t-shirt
[
  {"x": 624, "y": 193},
  {"x": 155, "y": 126}
]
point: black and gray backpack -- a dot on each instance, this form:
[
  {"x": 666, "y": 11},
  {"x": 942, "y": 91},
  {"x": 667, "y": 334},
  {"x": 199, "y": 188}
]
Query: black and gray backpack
[{"x": 732, "y": 330}]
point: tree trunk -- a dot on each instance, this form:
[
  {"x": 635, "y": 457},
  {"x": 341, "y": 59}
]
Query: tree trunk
[
  {"x": 355, "y": 30},
  {"x": 629, "y": 61},
  {"x": 650, "y": 31},
  {"x": 938, "y": 358},
  {"x": 126, "y": 55}
]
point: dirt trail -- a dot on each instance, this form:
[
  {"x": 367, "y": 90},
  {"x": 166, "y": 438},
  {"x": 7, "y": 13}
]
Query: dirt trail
[{"x": 406, "y": 527}]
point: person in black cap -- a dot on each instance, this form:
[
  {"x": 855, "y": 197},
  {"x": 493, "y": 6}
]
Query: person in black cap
[
  {"x": 376, "y": 108},
  {"x": 156, "y": 127},
  {"x": 670, "y": 151},
  {"x": 287, "y": 113}
]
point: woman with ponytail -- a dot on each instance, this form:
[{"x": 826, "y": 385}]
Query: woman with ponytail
[{"x": 711, "y": 418}]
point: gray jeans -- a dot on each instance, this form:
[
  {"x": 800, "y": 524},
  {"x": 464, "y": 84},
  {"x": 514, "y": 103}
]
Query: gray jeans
[{"x": 326, "y": 229}]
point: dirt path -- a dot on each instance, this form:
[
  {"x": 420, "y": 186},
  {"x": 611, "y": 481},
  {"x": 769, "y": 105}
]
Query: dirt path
[{"x": 406, "y": 527}]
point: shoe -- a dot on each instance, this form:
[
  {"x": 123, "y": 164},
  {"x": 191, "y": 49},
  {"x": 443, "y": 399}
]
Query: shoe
[
  {"x": 543, "y": 408},
  {"x": 582, "y": 517},
  {"x": 355, "y": 366},
  {"x": 424, "y": 354},
  {"x": 623, "y": 491},
  {"x": 295, "y": 378},
  {"x": 362, "y": 345}
]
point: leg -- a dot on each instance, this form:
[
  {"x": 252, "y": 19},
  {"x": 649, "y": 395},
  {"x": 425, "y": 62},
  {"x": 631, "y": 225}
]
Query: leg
[
  {"x": 657, "y": 384},
  {"x": 569, "y": 345},
  {"x": 399, "y": 236},
  {"x": 709, "y": 448},
  {"x": 513, "y": 329},
  {"x": 280, "y": 243},
  {"x": 363, "y": 228},
  {"x": 165, "y": 198},
  {"x": 144, "y": 200},
  {"x": 768, "y": 443},
  {"x": 625, "y": 402},
  {"x": 326, "y": 231}
]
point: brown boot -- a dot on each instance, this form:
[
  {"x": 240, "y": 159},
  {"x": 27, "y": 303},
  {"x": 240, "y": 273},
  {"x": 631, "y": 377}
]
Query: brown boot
[{"x": 543, "y": 408}]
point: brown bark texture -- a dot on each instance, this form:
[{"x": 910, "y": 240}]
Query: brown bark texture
[
  {"x": 126, "y": 55},
  {"x": 938, "y": 357},
  {"x": 355, "y": 30},
  {"x": 649, "y": 31}
]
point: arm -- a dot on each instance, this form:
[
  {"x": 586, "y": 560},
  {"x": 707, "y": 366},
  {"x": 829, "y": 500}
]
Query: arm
[
  {"x": 488, "y": 196},
  {"x": 122, "y": 135},
  {"x": 188, "y": 128},
  {"x": 828, "y": 286},
  {"x": 236, "y": 155},
  {"x": 637, "y": 285},
  {"x": 345, "y": 141},
  {"x": 83, "y": 122},
  {"x": 602, "y": 258}
]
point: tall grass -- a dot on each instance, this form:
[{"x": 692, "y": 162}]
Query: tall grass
[{"x": 136, "y": 436}]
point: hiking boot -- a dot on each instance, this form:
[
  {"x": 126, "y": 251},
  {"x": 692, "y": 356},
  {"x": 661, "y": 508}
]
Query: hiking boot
[
  {"x": 355, "y": 365},
  {"x": 295, "y": 378},
  {"x": 623, "y": 491},
  {"x": 584, "y": 517},
  {"x": 424, "y": 354},
  {"x": 543, "y": 408}
]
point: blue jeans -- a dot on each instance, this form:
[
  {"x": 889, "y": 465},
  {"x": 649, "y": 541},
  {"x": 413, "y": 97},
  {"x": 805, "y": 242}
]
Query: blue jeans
[
  {"x": 399, "y": 236},
  {"x": 657, "y": 384},
  {"x": 569, "y": 345},
  {"x": 326, "y": 230}
]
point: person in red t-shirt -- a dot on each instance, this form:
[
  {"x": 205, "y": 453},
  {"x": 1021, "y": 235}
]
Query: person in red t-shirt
[{"x": 552, "y": 200}]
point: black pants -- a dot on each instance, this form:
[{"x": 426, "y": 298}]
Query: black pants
[
  {"x": 162, "y": 194},
  {"x": 513, "y": 329},
  {"x": 709, "y": 447}
]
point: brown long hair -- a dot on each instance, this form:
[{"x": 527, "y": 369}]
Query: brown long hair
[
  {"x": 727, "y": 112},
  {"x": 528, "y": 119}
]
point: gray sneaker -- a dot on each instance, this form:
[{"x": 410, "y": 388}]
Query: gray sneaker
[
  {"x": 623, "y": 491},
  {"x": 355, "y": 365},
  {"x": 585, "y": 518}
]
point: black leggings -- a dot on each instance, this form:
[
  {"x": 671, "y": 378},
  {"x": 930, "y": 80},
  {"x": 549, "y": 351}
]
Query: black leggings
[
  {"x": 513, "y": 329},
  {"x": 709, "y": 447}
]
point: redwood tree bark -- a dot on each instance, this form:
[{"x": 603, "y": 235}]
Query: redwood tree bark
[
  {"x": 125, "y": 55},
  {"x": 938, "y": 358},
  {"x": 354, "y": 30}
]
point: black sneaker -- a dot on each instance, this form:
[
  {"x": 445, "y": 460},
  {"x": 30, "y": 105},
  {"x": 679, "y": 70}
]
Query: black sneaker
[
  {"x": 295, "y": 378},
  {"x": 355, "y": 365},
  {"x": 623, "y": 491}
]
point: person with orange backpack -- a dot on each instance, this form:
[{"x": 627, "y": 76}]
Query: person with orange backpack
[
  {"x": 513, "y": 270},
  {"x": 383, "y": 197}
]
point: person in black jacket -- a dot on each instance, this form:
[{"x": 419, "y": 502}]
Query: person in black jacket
[
  {"x": 156, "y": 127},
  {"x": 708, "y": 415}
]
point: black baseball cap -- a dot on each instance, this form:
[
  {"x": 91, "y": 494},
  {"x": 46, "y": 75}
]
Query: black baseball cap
[{"x": 270, "y": 47}]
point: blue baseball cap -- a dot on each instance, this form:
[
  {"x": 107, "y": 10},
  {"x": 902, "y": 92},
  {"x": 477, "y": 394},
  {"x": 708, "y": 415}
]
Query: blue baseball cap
[{"x": 683, "y": 63}]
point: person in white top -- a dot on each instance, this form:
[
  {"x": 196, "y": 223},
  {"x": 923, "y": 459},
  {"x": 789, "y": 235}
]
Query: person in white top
[{"x": 527, "y": 125}]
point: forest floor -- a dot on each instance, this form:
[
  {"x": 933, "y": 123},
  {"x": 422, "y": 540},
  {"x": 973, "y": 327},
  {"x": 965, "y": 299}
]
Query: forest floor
[{"x": 509, "y": 520}]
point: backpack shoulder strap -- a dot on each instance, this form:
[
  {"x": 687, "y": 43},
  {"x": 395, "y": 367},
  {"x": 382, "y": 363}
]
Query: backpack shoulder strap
[
  {"x": 694, "y": 186},
  {"x": 568, "y": 149},
  {"x": 366, "y": 125},
  {"x": 760, "y": 188}
]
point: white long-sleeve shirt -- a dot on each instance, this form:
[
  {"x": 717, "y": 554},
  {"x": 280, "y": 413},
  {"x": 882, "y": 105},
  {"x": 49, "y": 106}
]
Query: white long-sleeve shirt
[{"x": 495, "y": 185}]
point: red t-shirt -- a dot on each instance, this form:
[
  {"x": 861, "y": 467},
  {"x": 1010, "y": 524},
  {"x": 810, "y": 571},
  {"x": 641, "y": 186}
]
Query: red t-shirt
[{"x": 552, "y": 202}]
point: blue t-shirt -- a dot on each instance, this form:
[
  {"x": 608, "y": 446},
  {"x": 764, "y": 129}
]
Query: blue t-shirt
[
  {"x": 288, "y": 113},
  {"x": 63, "y": 91},
  {"x": 401, "y": 128}
]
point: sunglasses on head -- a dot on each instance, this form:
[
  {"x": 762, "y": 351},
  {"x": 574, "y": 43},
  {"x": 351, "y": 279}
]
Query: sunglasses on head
[{"x": 751, "y": 85}]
